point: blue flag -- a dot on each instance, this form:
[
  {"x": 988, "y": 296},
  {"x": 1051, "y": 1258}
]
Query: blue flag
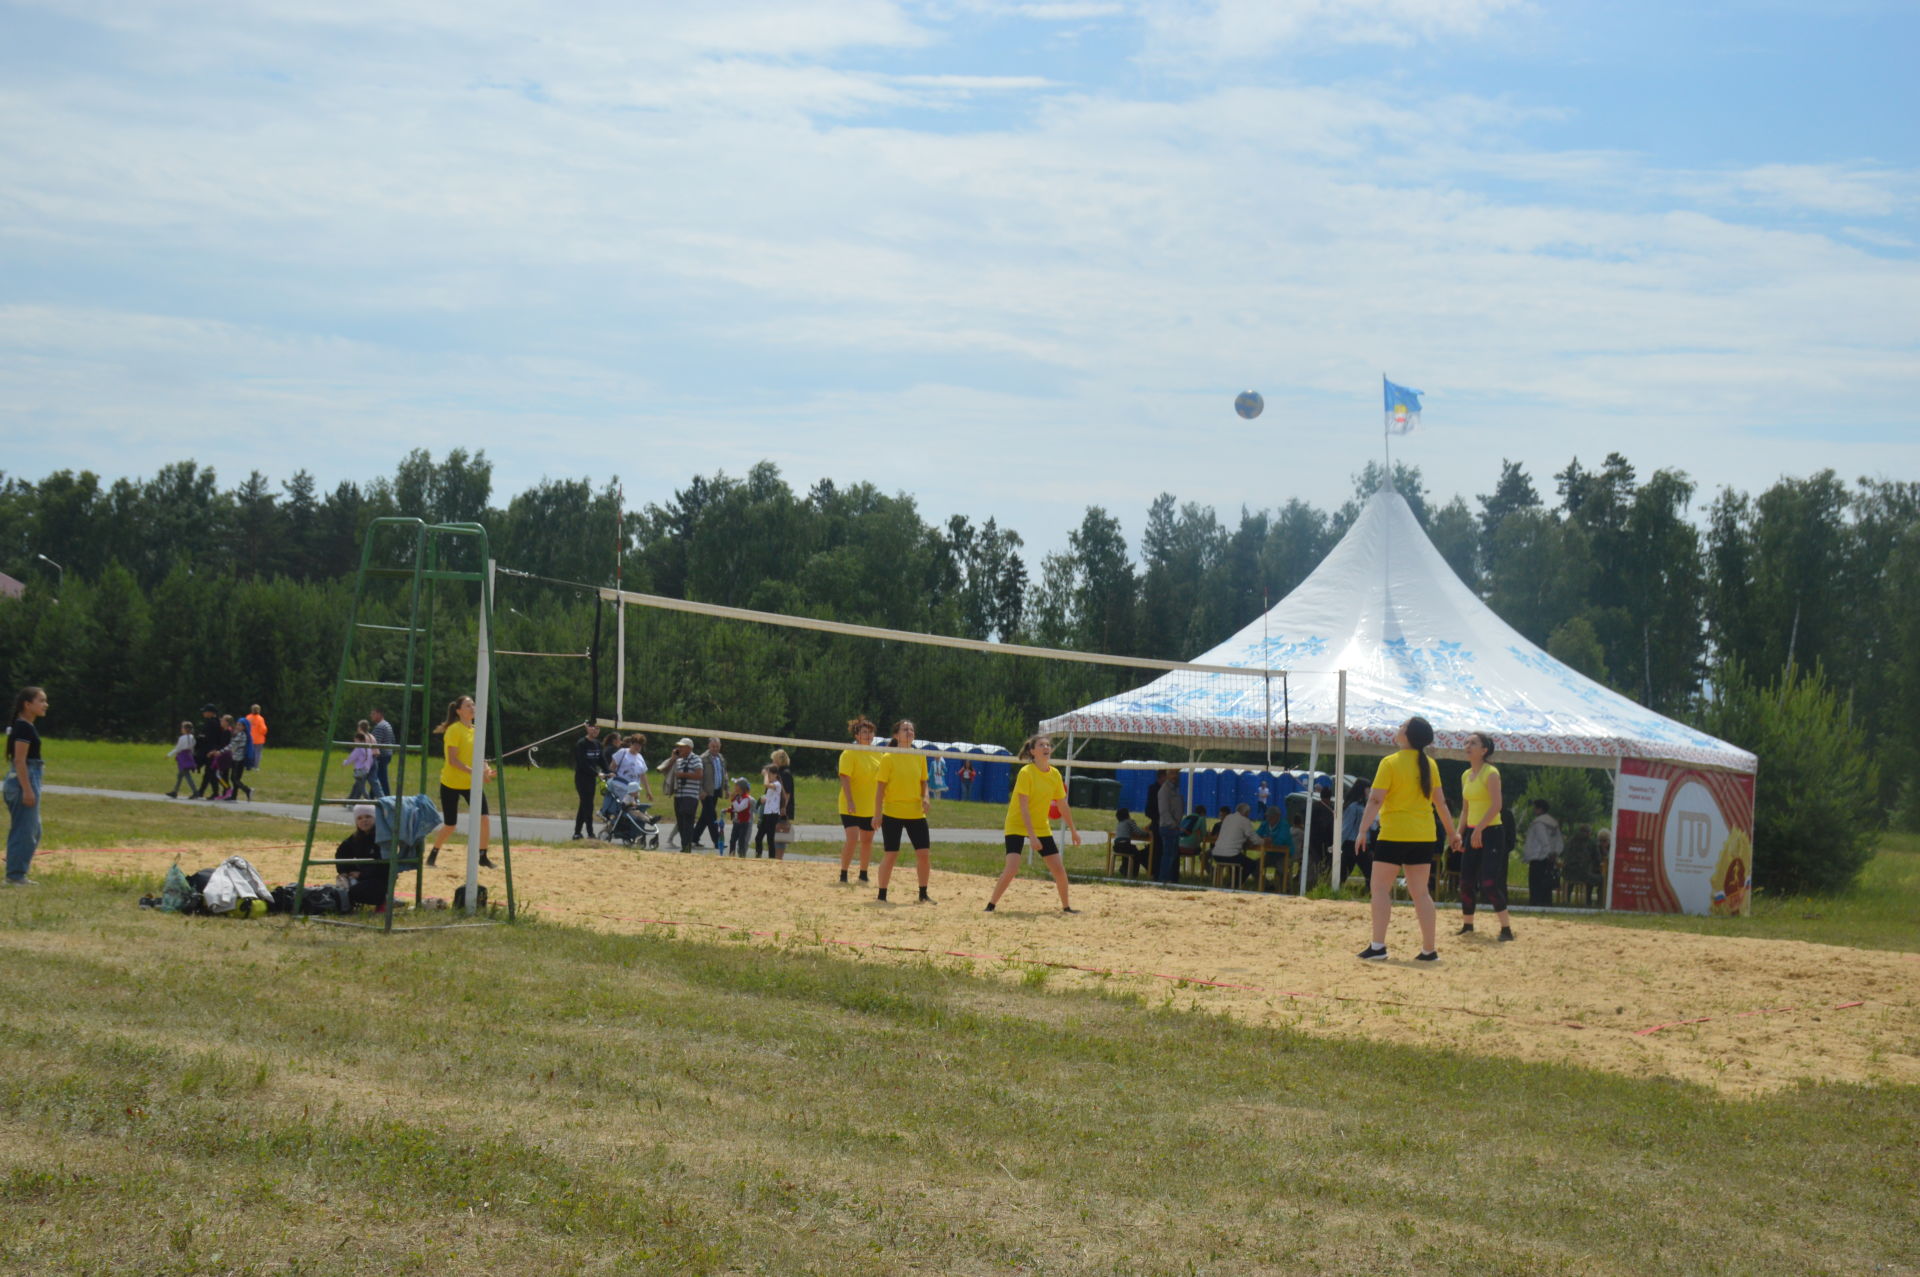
[{"x": 1403, "y": 408}]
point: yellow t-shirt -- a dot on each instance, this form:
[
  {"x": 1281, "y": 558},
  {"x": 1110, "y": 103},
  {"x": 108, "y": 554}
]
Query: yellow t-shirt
[
  {"x": 459, "y": 738},
  {"x": 1475, "y": 794},
  {"x": 1407, "y": 815},
  {"x": 860, "y": 767},
  {"x": 1043, "y": 789},
  {"x": 903, "y": 774}
]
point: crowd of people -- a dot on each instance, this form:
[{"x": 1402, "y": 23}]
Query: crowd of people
[{"x": 212, "y": 758}]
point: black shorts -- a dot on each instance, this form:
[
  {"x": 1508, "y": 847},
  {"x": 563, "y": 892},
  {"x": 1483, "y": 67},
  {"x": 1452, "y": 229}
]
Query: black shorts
[
  {"x": 855, "y": 822},
  {"x": 1017, "y": 843},
  {"x": 915, "y": 827},
  {"x": 450, "y": 803},
  {"x": 1408, "y": 855}
]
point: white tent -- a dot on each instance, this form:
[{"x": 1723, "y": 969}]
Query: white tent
[{"x": 1412, "y": 639}]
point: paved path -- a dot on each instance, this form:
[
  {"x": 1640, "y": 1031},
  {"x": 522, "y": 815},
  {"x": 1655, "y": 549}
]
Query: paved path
[{"x": 529, "y": 828}]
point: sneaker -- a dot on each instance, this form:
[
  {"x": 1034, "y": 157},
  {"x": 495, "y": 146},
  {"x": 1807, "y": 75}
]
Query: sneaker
[
  {"x": 1374, "y": 953},
  {"x": 24, "y": 881},
  {"x": 432, "y": 856},
  {"x": 883, "y": 894},
  {"x": 989, "y": 906},
  {"x": 925, "y": 899},
  {"x": 485, "y": 863},
  {"x": 1506, "y": 934},
  {"x": 1068, "y": 909},
  {"x": 1466, "y": 929},
  {"x": 863, "y": 875},
  {"x": 843, "y": 875},
  {"x": 1433, "y": 956}
]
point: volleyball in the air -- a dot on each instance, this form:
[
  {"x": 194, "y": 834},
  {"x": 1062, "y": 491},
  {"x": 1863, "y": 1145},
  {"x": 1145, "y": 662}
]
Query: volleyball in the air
[{"x": 1249, "y": 404}]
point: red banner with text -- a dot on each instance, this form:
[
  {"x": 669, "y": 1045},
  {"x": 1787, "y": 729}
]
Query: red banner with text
[{"x": 1682, "y": 839}]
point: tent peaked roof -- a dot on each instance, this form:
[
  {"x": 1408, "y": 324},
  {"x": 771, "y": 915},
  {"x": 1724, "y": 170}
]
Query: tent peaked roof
[{"x": 1385, "y": 607}]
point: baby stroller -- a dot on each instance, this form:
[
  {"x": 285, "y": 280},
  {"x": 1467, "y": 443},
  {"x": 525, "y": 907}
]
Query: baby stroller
[{"x": 625, "y": 819}]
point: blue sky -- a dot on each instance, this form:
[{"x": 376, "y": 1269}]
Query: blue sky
[{"x": 1012, "y": 256}]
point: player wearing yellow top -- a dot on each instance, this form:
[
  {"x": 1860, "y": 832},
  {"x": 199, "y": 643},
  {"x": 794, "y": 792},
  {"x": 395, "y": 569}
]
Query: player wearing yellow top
[
  {"x": 857, "y": 773},
  {"x": 900, "y": 796},
  {"x": 1035, "y": 791},
  {"x": 456, "y": 777},
  {"x": 1406, "y": 797},
  {"x": 1483, "y": 861}
]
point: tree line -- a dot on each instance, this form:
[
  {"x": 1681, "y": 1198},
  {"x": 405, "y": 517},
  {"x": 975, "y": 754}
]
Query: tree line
[{"x": 175, "y": 590}]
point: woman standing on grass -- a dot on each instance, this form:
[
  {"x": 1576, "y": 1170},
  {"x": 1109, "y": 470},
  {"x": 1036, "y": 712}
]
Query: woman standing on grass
[
  {"x": 456, "y": 777},
  {"x": 783, "y": 768},
  {"x": 21, "y": 789},
  {"x": 589, "y": 765},
  {"x": 858, "y": 767},
  {"x": 1035, "y": 791},
  {"x": 1406, "y": 796},
  {"x": 900, "y": 795},
  {"x": 1483, "y": 863}
]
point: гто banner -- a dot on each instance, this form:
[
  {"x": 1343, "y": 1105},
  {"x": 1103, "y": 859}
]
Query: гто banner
[{"x": 1682, "y": 839}]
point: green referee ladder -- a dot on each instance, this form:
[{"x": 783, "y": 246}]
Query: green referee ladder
[{"x": 417, "y": 545}]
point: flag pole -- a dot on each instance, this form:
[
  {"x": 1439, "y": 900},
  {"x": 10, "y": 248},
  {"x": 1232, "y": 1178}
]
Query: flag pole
[{"x": 1386, "y": 435}]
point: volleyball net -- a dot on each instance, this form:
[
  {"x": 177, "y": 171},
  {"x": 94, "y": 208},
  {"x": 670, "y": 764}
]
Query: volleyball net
[{"x": 788, "y": 681}]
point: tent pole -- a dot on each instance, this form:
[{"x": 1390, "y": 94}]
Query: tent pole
[
  {"x": 1339, "y": 773},
  {"x": 1613, "y": 842},
  {"x": 1306, "y": 825}
]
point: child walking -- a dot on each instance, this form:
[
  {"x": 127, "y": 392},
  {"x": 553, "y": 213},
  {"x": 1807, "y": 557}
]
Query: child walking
[
  {"x": 773, "y": 808},
  {"x": 182, "y": 756}
]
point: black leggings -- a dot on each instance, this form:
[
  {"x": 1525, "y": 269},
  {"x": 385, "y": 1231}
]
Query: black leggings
[
  {"x": 768, "y": 827},
  {"x": 587, "y": 786},
  {"x": 1483, "y": 872}
]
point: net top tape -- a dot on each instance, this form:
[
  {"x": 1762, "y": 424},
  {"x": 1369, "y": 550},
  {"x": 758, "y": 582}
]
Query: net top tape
[{"x": 931, "y": 640}]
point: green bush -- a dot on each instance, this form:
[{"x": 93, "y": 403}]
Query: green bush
[{"x": 1815, "y": 818}]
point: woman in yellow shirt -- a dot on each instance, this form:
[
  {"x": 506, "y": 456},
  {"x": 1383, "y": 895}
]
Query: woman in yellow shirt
[
  {"x": 1483, "y": 863},
  {"x": 857, "y": 769},
  {"x": 900, "y": 796},
  {"x": 1028, "y": 822},
  {"x": 456, "y": 776},
  {"x": 1406, "y": 797}
]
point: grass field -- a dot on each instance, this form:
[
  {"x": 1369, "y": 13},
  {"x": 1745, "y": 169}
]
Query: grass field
[
  {"x": 288, "y": 776},
  {"x": 203, "y": 1096}
]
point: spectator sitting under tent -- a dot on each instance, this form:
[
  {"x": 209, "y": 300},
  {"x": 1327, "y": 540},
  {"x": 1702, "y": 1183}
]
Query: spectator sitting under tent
[{"x": 1232, "y": 839}]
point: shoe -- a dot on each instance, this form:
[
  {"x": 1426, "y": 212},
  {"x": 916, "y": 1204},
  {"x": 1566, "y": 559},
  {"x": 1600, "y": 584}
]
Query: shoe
[
  {"x": 22, "y": 881},
  {"x": 1433, "y": 956},
  {"x": 432, "y": 856},
  {"x": 1506, "y": 934},
  {"x": 1466, "y": 929},
  {"x": 989, "y": 906},
  {"x": 843, "y": 875},
  {"x": 925, "y": 899},
  {"x": 1374, "y": 953},
  {"x": 1068, "y": 909},
  {"x": 485, "y": 863},
  {"x": 863, "y": 875},
  {"x": 883, "y": 894}
]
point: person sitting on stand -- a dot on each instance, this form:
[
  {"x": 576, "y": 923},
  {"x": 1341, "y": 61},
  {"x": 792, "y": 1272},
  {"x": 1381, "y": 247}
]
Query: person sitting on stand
[{"x": 366, "y": 884}]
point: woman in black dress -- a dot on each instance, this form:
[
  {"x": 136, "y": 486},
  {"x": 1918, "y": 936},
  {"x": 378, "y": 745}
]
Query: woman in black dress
[{"x": 589, "y": 764}]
